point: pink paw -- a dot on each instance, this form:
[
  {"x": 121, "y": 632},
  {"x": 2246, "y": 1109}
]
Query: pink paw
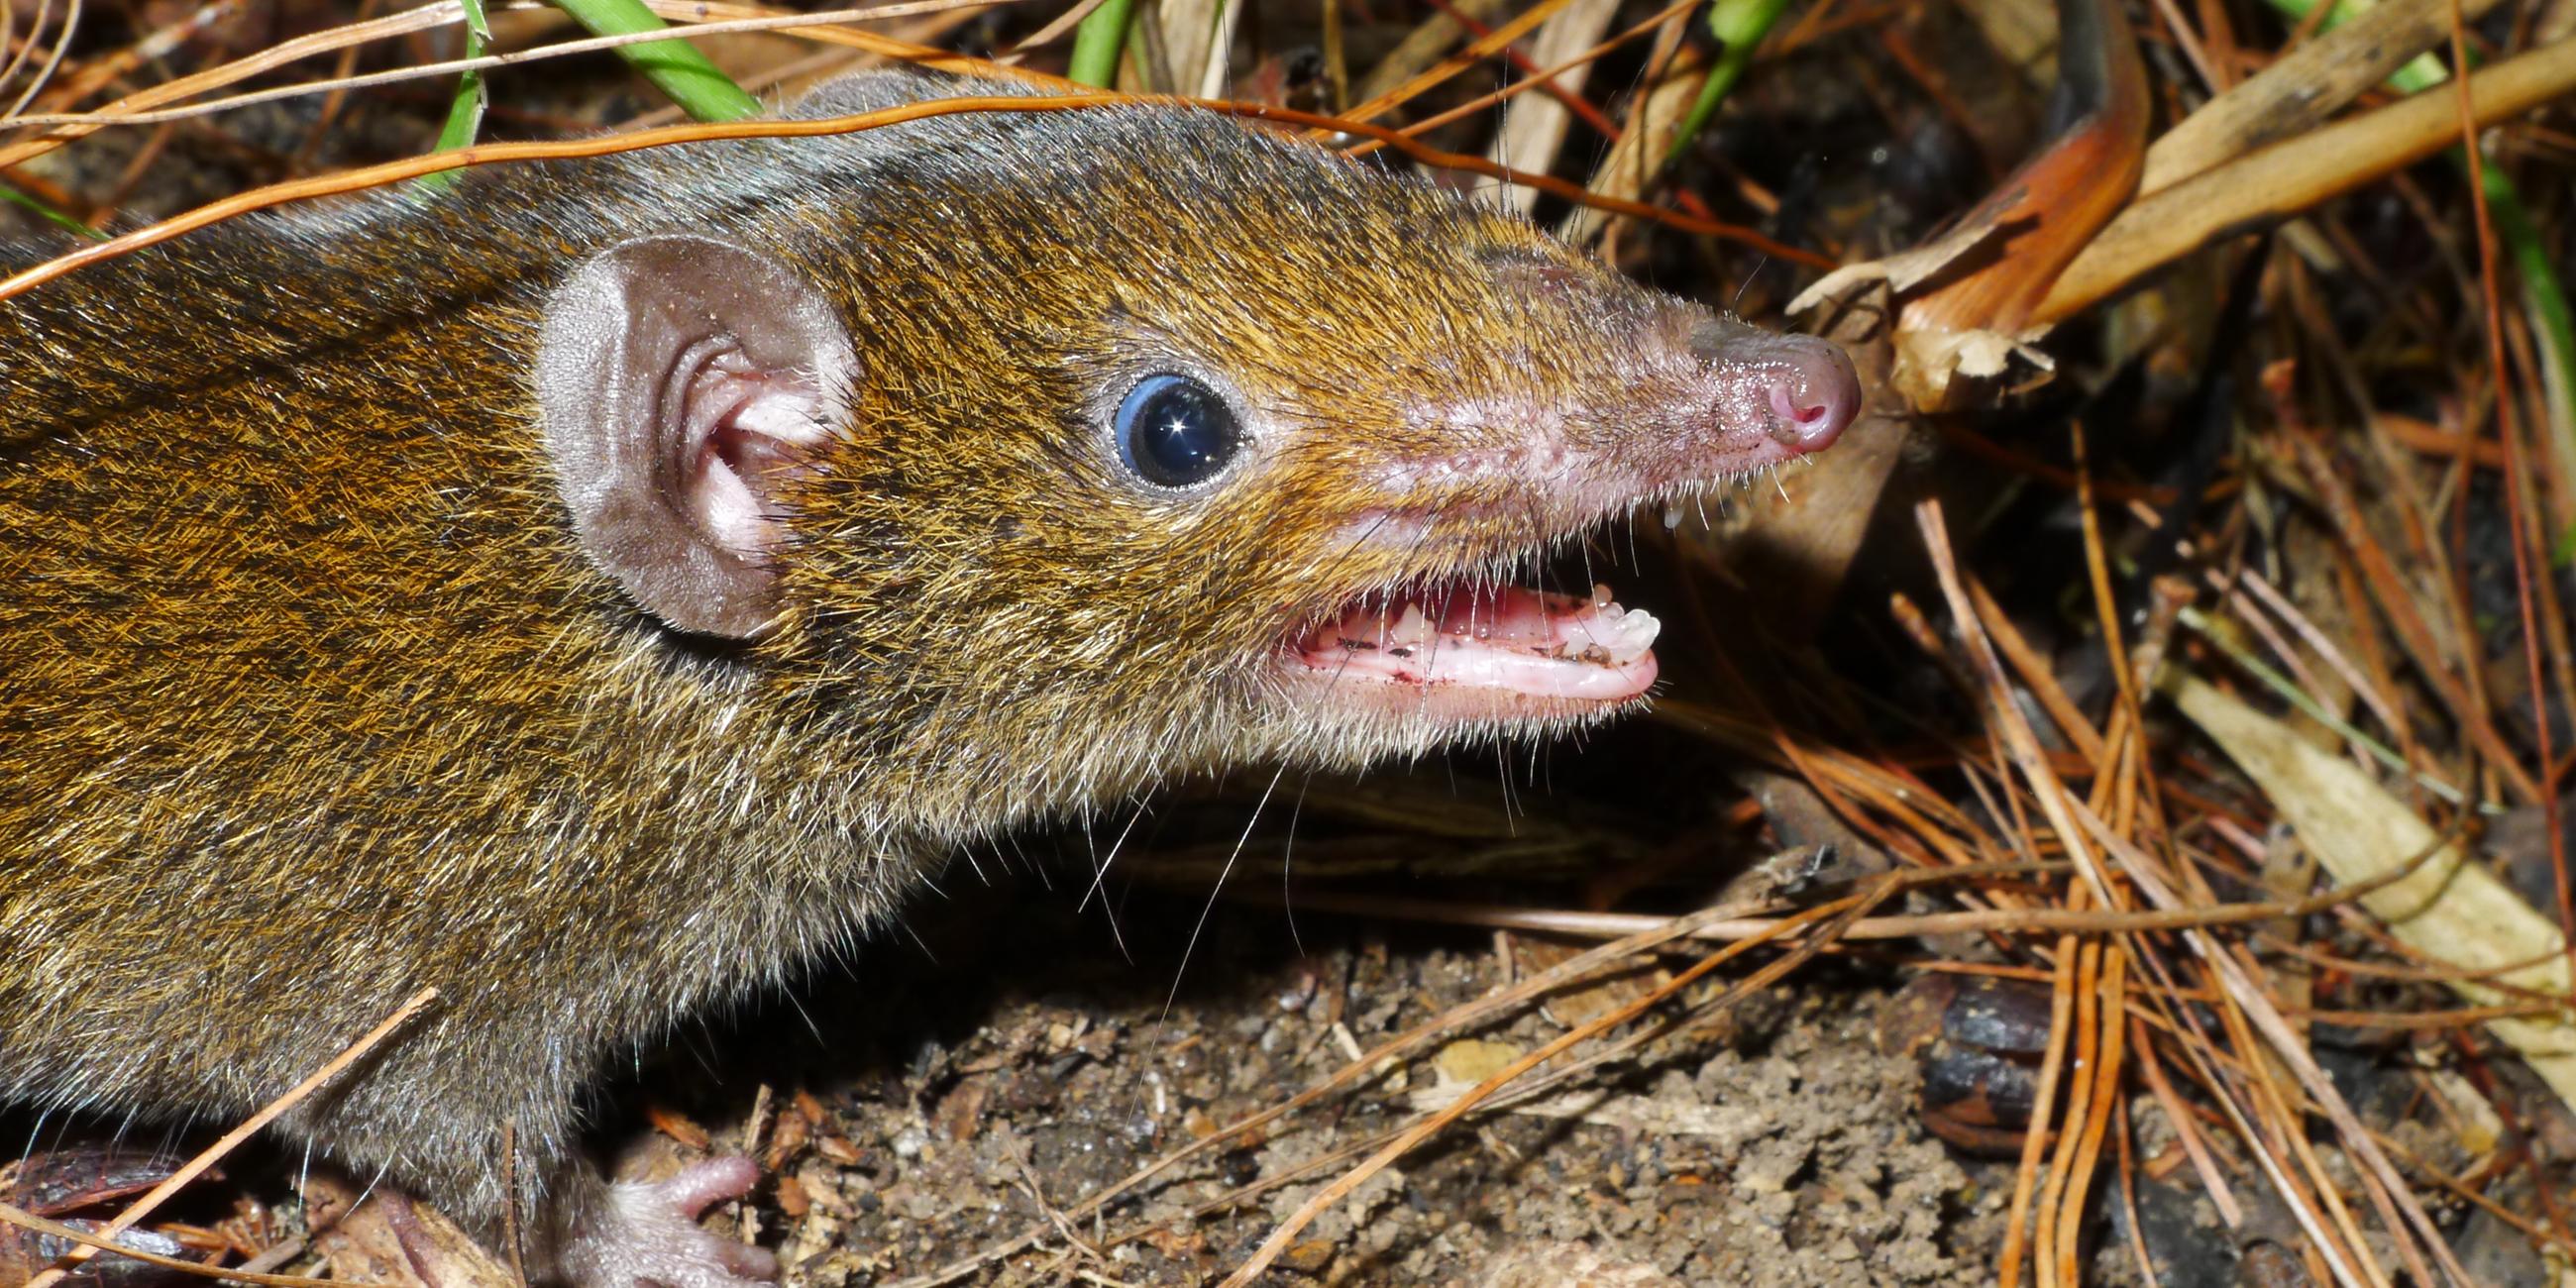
[{"x": 646, "y": 1235}]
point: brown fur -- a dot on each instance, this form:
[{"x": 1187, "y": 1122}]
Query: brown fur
[{"x": 311, "y": 699}]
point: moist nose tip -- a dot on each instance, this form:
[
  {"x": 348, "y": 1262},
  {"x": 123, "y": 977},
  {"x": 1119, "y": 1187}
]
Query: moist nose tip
[
  {"x": 1812, "y": 388},
  {"x": 1815, "y": 391}
]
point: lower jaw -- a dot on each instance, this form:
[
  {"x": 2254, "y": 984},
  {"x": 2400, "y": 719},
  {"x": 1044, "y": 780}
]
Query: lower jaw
[
  {"x": 1467, "y": 660},
  {"x": 1446, "y": 709}
]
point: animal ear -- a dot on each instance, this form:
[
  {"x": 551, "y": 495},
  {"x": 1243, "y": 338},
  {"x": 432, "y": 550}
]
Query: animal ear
[{"x": 679, "y": 381}]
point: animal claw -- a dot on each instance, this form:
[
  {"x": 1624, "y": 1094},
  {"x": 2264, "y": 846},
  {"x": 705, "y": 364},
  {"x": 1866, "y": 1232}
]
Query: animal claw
[{"x": 645, "y": 1235}]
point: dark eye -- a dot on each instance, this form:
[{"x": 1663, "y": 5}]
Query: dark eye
[{"x": 1175, "y": 432}]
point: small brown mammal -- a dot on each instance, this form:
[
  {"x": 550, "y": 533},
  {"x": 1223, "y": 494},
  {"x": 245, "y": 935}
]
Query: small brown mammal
[{"x": 600, "y": 591}]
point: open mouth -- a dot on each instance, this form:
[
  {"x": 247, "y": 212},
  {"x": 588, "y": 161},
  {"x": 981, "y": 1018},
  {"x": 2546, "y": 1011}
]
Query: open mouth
[
  {"x": 1444, "y": 653},
  {"x": 1494, "y": 651}
]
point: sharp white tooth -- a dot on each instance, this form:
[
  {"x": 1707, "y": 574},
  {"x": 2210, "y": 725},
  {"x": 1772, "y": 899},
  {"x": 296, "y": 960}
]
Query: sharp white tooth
[
  {"x": 1672, "y": 516},
  {"x": 1411, "y": 628},
  {"x": 1636, "y": 633}
]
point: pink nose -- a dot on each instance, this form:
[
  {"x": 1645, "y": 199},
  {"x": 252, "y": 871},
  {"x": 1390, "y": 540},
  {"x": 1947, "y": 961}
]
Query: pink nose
[
  {"x": 1804, "y": 387},
  {"x": 1815, "y": 392}
]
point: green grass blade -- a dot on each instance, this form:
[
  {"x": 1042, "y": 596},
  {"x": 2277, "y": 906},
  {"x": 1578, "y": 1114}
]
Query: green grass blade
[
  {"x": 674, "y": 66},
  {"x": 1739, "y": 26},
  {"x": 1097, "y": 44},
  {"x": 11, "y": 194},
  {"x": 465, "y": 111}
]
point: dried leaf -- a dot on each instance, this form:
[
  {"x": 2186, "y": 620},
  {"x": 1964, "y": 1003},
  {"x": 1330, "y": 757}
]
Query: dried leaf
[{"x": 2451, "y": 910}]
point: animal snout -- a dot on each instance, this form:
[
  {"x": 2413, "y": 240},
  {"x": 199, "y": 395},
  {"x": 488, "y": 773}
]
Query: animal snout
[
  {"x": 1816, "y": 392},
  {"x": 1813, "y": 389}
]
